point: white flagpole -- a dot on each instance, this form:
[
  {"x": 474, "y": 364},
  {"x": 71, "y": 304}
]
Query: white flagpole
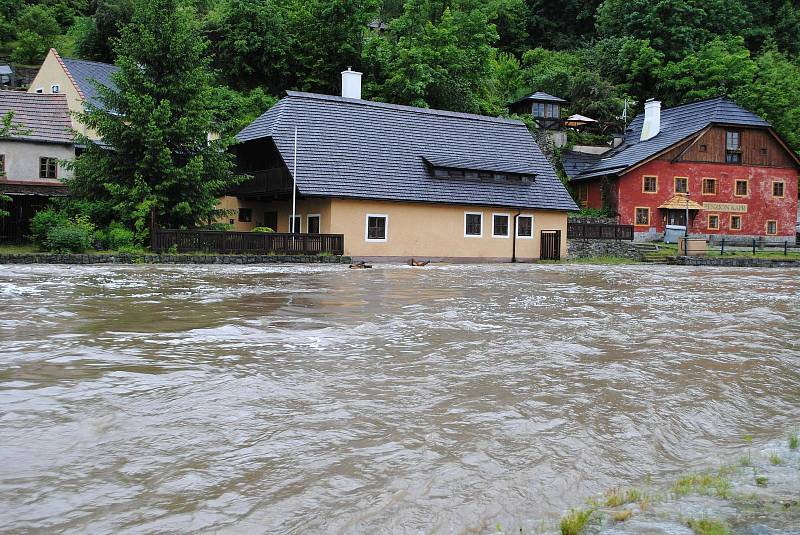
[{"x": 294, "y": 185}]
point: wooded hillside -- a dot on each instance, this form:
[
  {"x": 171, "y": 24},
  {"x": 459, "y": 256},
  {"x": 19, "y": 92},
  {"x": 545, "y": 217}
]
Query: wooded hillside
[{"x": 465, "y": 55}]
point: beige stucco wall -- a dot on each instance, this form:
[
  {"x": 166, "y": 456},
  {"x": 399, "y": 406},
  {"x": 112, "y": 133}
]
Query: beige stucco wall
[
  {"x": 414, "y": 229},
  {"x": 22, "y": 160},
  {"x": 436, "y": 230},
  {"x": 321, "y": 207},
  {"x": 52, "y": 72}
]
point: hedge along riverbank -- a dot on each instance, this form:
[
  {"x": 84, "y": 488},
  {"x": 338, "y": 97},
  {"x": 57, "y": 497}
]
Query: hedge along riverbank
[{"x": 52, "y": 258}]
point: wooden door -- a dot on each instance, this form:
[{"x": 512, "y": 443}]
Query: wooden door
[{"x": 550, "y": 245}]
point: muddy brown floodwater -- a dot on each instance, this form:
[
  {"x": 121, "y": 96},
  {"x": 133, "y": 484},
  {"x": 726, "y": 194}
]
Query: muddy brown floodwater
[{"x": 318, "y": 399}]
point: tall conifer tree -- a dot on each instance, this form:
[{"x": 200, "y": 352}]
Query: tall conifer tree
[{"x": 155, "y": 158}]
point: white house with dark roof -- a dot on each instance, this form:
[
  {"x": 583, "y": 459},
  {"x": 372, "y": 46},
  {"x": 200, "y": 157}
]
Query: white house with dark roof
[
  {"x": 399, "y": 181},
  {"x": 75, "y": 79},
  {"x": 32, "y": 156}
]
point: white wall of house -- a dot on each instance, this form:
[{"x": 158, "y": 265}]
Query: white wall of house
[{"x": 22, "y": 160}]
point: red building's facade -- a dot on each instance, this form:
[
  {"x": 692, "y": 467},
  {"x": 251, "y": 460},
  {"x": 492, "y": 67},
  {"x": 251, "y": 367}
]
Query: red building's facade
[{"x": 741, "y": 180}]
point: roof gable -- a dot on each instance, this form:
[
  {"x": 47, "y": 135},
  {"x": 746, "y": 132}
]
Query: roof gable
[
  {"x": 677, "y": 124},
  {"x": 44, "y": 117},
  {"x": 362, "y": 149}
]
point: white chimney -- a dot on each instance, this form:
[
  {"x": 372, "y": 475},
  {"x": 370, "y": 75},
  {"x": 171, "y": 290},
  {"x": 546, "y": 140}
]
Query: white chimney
[
  {"x": 351, "y": 84},
  {"x": 652, "y": 119}
]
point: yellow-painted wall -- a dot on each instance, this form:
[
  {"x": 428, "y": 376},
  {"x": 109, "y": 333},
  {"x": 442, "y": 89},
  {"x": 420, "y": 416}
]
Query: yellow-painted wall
[
  {"x": 321, "y": 207},
  {"x": 52, "y": 72},
  {"x": 417, "y": 230},
  {"x": 436, "y": 230}
]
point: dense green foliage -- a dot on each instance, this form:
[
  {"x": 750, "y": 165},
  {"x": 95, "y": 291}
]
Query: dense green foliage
[
  {"x": 465, "y": 55},
  {"x": 157, "y": 162}
]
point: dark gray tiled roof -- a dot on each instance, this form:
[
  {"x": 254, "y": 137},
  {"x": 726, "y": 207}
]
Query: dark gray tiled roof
[
  {"x": 541, "y": 96},
  {"x": 45, "y": 117},
  {"x": 574, "y": 162},
  {"x": 361, "y": 149},
  {"x": 677, "y": 124},
  {"x": 84, "y": 72}
]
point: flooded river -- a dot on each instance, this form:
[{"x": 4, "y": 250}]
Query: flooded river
[{"x": 318, "y": 399}]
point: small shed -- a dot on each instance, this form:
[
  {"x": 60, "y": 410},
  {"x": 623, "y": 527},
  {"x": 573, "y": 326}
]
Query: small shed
[
  {"x": 543, "y": 107},
  {"x": 7, "y": 76}
]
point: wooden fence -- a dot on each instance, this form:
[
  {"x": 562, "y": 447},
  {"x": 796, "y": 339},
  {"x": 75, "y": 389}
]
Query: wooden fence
[
  {"x": 214, "y": 241},
  {"x": 599, "y": 231}
]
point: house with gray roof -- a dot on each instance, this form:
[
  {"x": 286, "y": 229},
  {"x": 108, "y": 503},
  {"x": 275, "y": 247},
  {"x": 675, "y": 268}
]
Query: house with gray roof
[
  {"x": 77, "y": 79},
  {"x": 399, "y": 181},
  {"x": 32, "y": 155},
  {"x": 724, "y": 165}
]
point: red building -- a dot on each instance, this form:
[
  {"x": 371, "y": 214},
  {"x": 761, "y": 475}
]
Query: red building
[{"x": 725, "y": 164}]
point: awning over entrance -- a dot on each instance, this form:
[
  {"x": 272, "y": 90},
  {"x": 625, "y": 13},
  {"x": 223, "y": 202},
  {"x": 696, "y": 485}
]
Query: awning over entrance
[{"x": 681, "y": 202}]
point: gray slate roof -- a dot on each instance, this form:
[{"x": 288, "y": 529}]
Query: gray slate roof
[
  {"x": 361, "y": 149},
  {"x": 574, "y": 161},
  {"x": 540, "y": 96},
  {"x": 677, "y": 124},
  {"x": 85, "y": 72},
  {"x": 45, "y": 117}
]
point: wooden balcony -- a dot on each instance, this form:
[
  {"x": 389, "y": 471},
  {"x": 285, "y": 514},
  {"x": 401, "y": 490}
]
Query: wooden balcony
[
  {"x": 267, "y": 182},
  {"x": 218, "y": 241}
]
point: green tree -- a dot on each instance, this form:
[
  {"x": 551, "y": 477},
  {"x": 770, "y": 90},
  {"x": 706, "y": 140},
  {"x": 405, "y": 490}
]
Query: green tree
[
  {"x": 251, "y": 43},
  {"x": 37, "y": 30},
  {"x": 719, "y": 68},
  {"x": 630, "y": 64},
  {"x": 567, "y": 75},
  {"x": 95, "y": 42},
  {"x": 327, "y": 37},
  {"x": 156, "y": 157},
  {"x": 442, "y": 63},
  {"x": 673, "y": 27},
  {"x": 774, "y": 93}
]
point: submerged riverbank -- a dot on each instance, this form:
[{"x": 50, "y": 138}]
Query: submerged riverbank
[
  {"x": 756, "y": 493},
  {"x": 312, "y": 398}
]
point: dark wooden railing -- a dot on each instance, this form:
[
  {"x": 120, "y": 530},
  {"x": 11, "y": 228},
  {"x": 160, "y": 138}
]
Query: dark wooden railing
[
  {"x": 265, "y": 182},
  {"x": 214, "y": 241},
  {"x": 599, "y": 231}
]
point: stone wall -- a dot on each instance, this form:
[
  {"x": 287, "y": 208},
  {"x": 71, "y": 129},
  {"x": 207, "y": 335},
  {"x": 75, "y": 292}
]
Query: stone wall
[
  {"x": 48, "y": 258},
  {"x": 592, "y": 220},
  {"x": 732, "y": 262},
  {"x": 595, "y": 248}
]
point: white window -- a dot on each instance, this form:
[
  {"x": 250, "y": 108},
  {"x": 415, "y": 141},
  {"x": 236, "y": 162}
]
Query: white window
[
  {"x": 40, "y": 89},
  {"x": 312, "y": 224},
  {"x": 297, "y": 225},
  {"x": 525, "y": 227},
  {"x": 473, "y": 224},
  {"x": 55, "y": 88},
  {"x": 500, "y": 226},
  {"x": 377, "y": 227}
]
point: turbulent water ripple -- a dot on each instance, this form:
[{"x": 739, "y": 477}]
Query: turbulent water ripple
[{"x": 448, "y": 399}]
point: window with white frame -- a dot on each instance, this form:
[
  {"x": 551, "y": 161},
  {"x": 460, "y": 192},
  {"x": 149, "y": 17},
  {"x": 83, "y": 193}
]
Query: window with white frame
[
  {"x": 473, "y": 224},
  {"x": 39, "y": 89},
  {"x": 524, "y": 226},
  {"x": 377, "y": 227},
  {"x": 294, "y": 224},
  {"x": 312, "y": 224},
  {"x": 500, "y": 225}
]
